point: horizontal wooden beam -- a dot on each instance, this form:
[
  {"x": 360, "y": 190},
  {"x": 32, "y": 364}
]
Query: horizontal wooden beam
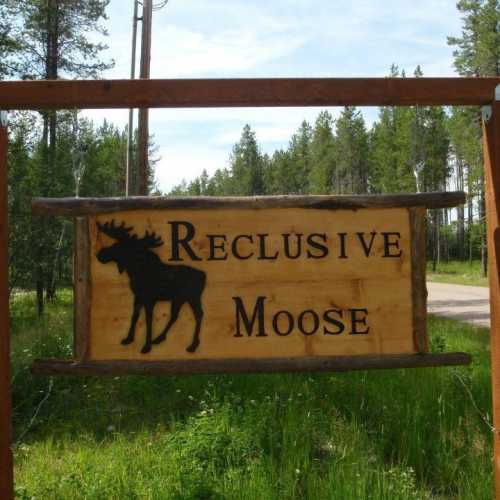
[
  {"x": 265, "y": 365},
  {"x": 76, "y": 207},
  {"x": 250, "y": 92}
]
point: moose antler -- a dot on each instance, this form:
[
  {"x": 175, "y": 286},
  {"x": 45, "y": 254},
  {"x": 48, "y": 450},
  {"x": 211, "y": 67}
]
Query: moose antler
[
  {"x": 150, "y": 240},
  {"x": 120, "y": 233}
]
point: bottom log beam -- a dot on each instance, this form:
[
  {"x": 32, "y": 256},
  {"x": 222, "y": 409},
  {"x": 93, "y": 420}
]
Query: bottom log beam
[{"x": 310, "y": 364}]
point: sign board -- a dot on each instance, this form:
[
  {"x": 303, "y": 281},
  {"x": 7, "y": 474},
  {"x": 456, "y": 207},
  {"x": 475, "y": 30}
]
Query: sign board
[
  {"x": 167, "y": 285},
  {"x": 254, "y": 283}
]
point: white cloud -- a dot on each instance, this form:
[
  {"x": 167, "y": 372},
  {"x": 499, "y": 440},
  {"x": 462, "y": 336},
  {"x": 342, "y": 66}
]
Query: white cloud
[
  {"x": 180, "y": 52},
  {"x": 180, "y": 163},
  {"x": 245, "y": 38}
]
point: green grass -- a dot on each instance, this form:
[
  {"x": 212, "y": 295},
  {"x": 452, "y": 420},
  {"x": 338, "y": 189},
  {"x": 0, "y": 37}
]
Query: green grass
[
  {"x": 394, "y": 434},
  {"x": 457, "y": 272}
]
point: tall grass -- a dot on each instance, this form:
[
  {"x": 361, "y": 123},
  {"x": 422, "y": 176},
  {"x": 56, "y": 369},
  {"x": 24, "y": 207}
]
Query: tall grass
[
  {"x": 458, "y": 272},
  {"x": 393, "y": 434}
]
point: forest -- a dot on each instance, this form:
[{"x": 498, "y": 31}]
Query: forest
[{"x": 406, "y": 149}]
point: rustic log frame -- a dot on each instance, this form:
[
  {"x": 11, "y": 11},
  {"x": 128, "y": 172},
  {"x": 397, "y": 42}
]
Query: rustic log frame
[
  {"x": 418, "y": 286},
  {"x": 82, "y": 208},
  {"x": 248, "y": 93},
  {"x": 77, "y": 207},
  {"x": 263, "y": 365},
  {"x": 82, "y": 290}
]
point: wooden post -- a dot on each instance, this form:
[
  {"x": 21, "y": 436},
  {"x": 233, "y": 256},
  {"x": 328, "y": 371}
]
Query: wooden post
[
  {"x": 491, "y": 149},
  {"x": 6, "y": 471}
]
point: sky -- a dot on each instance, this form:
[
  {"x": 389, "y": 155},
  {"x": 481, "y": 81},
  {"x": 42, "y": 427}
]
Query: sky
[{"x": 269, "y": 38}]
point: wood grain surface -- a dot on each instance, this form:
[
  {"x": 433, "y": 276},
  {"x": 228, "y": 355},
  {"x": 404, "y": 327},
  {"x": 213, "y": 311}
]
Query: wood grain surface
[
  {"x": 252, "y": 92},
  {"x": 262, "y": 365},
  {"x": 343, "y": 303},
  {"x": 75, "y": 207},
  {"x": 491, "y": 148}
]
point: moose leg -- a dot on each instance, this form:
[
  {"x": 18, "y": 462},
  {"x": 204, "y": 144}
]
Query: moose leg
[
  {"x": 135, "y": 316},
  {"x": 149, "y": 328},
  {"x": 174, "y": 314},
  {"x": 198, "y": 314}
]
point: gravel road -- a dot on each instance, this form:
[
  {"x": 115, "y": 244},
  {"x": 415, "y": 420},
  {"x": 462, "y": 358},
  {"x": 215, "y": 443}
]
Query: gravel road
[{"x": 465, "y": 303}]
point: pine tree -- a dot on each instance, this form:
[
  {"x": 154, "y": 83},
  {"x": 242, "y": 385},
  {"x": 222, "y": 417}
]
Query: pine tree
[
  {"x": 55, "y": 42},
  {"x": 478, "y": 49},
  {"x": 322, "y": 155},
  {"x": 247, "y": 165},
  {"x": 300, "y": 161},
  {"x": 393, "y": 152},
  {"x": 9, "y": 40},
  {"x": 280, "y": 176},
  {"x": 477, "y": 53},
  {"x": 351, "y": 152}
]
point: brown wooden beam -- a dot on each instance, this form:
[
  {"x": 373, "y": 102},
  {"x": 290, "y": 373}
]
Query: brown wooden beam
[
  {"x": 249, "y": 92},
  {"x": 6, "y": 467},
  {"x": 76, "y": 207},
  {"x": 272, "y": 365},
  {"x": 81, "y": 288},
  {"x": 491, "y": 149}
]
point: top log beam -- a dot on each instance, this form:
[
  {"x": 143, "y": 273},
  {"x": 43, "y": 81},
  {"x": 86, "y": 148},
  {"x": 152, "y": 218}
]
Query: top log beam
[
  {"x": 251, "y": 92},
  {"x": 78, "y": 207}
]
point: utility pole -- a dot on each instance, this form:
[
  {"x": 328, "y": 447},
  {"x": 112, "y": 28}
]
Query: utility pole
[
  {"x": 143, "y": 132},
  {"x": 130, "y": 137}
]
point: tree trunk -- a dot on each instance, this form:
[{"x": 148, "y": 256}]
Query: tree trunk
[
  {"x": 446, "y": 243},
  {"x": 482, "y": 222},
  {"x": 470, "y": 221},
  {"x": 438, "y": 236},
  {"x": 51, "y": 284},
  {"x": 39, "y": 292},
  {"x": 39, "y": 277},
  {"x": 434, "y": 241},
  {"x": 50, "y": 142},
  {"x": 460, "y": 214}
]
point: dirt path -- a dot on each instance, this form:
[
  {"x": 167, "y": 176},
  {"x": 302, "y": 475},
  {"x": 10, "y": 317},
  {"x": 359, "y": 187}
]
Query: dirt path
[{"x": 465, "y": 303}]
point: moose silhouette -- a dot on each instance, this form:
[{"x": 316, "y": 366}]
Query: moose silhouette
[{"x": 151, "y": 280}]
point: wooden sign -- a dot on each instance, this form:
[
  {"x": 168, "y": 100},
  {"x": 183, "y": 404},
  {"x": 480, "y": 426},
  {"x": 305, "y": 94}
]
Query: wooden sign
[
  {"x": 286, "y": 278},
  {"x": 255, "y": 283}
]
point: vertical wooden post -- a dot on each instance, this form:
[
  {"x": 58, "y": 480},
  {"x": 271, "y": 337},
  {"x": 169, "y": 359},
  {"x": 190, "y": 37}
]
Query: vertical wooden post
[
  {"x": 491, "y": 150},
  {"x": 6, "y": 473}
]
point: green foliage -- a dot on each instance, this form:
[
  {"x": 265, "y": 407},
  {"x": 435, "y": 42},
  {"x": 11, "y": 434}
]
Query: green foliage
[
  {"x": 351, "y": 153},
  {"x": 247, "y": 166},
  {"x": 323, "y": 158},
  {"x": 56, "y": 38},
  {"x": 9, "y": 42},
  {"x": 393, "y": 434},
  {"x": 477, "y": 50},
  {"x": 89, "y": 161},
  {"x": 460, "y": 273}
]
